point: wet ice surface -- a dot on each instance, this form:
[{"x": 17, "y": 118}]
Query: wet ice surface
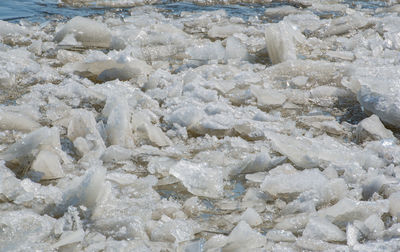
[{"x": 164, "y": 129}]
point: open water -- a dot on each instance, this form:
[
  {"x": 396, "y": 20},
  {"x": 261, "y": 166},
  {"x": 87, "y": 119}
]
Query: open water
[{"x": 43, "y": 10}]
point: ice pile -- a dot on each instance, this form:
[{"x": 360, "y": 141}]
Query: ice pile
[{"x": 202, "y": 131}]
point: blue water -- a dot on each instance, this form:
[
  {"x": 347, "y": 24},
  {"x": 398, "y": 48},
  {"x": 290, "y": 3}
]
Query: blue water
[{"x": 43, "y": 10}]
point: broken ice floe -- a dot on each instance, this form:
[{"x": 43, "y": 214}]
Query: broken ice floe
[{"x": 152, "y": 130}]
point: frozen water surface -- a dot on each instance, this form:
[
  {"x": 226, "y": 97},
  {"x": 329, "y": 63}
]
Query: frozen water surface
[{"x": 220, "y": 125}]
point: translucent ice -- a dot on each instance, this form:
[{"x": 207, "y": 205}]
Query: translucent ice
[
  {"x": 119, "y": 130},
  {"x": 251, "y": 217},
  {"x": 321, "y": 229},
  {"x": 224, "y": 31},
  {"x": 280, "y": 236},
  {"x": 235, "y": 49},
  {"x": 207, "y": 51},
  {"x": 394, "y": 207},
  {"x": 11, "y": 29},
  {"x": 372, "y": 128},
  {"x": 107, "y": 70},
  {"x": 47, "y": 164},
  {"x": 268, "y": 97},
  {"x": 17, "y": 121},
  {"x": 87, "y": 32},
  {"x": 186, "y": 116},
  {"x": 244, "y": 237},
  {"x": 85, "y": 190},
  {"x": 69, "y": 237},
  {"x": 321, "y": 151},
  {"x": 200, "y": 179},
  {"x": 173, "y": 230},
  {"x": 154, "y": 134},
  {"x": 378, "y": 93},
  {"x": 281, "y": 41},
  {"x": 25, "y": 149},
  {"x": 375, "y": 226},
  {"x": 294, "y": 183},
  {"x": 24, "y": 230},
  {"x": 347, "y": 210}
]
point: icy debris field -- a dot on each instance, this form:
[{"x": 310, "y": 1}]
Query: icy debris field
[{"x": 202, "y": 131}]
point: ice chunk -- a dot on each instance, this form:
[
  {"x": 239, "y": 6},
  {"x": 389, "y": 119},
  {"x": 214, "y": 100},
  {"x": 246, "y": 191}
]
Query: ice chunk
[
  {"x": 83, "y": 132},
  {"x": 7, "y": 29},
  {"x": 261, "y": 162},
  {"x": 173, "y": 230},
  {"x": 394, "y": 201},
  {"x": 333, "y": 191},
  {"x": 207, "y": 51},
  {"x": 200, "y": 179},
  {"x": 17, "y": 121},
  {"x": 82, "y": 123},
  {"x": 119, "y": 130},
  {"x": 107, "y": 70},
  {"x": 345, "y": 24},
  {"x": 280, "y": 236},
  {"x": 87, "y": 32},
  {"x": 281, "y": 41},
  {"x": 24, "y": 230},
  {"x": 372, "y": 128},
  {"x": 243, "y": 237},
  {"x": 235, "y": 49},
  {"x": 379, "y": 92},
  {"x": 375, "y": 226},
  {"x": 347, "y": 210},
  {"x": 10, "y": 186},
  {"x": 268, "y": 97},
  {"x": 292, "y": 223},
  {"x": 195, "y": 245},
  {"x": 340, "y": 55},
  {"x": 286, "y": 168},
  {"x": 330, "y": 172},
  {"x": 224, "y": 31},
  {"x": 294, "y": 184},
  {"x": 69, "y": 237},
  {"x": 186, "y": 116},
  {"x": 300, "y": 81},
  {"x": 41, "y": 139},
  {"x": 122, "y": 227},
  {"x": 47, "y": 164},
  {"x": 330, "y": 7},
  {"x": 251, "y": 217},
  {"x": 160, "y": 165},
  {"x": 216, "y": 242},
  {"x": 17, "y": 66},
  {"x": 322, "y": 151},
  {"x": 329, "y": 91},
  {"x": 392, "y": 232},
  {"x": 254, "y": 196},
  {"x": 353, "y": 234},
  {"x": 321, "y": 229},
  {"x": 281, "y": 11},
  {"x": 372, "y": 184},
  {"x": 85, "y": 190},
  {"x": 116, "y": 153},
  {"x": 317, "y": 245},
  {"x": 387, "y": 245},
  {"x": 154, "y": 134}
]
